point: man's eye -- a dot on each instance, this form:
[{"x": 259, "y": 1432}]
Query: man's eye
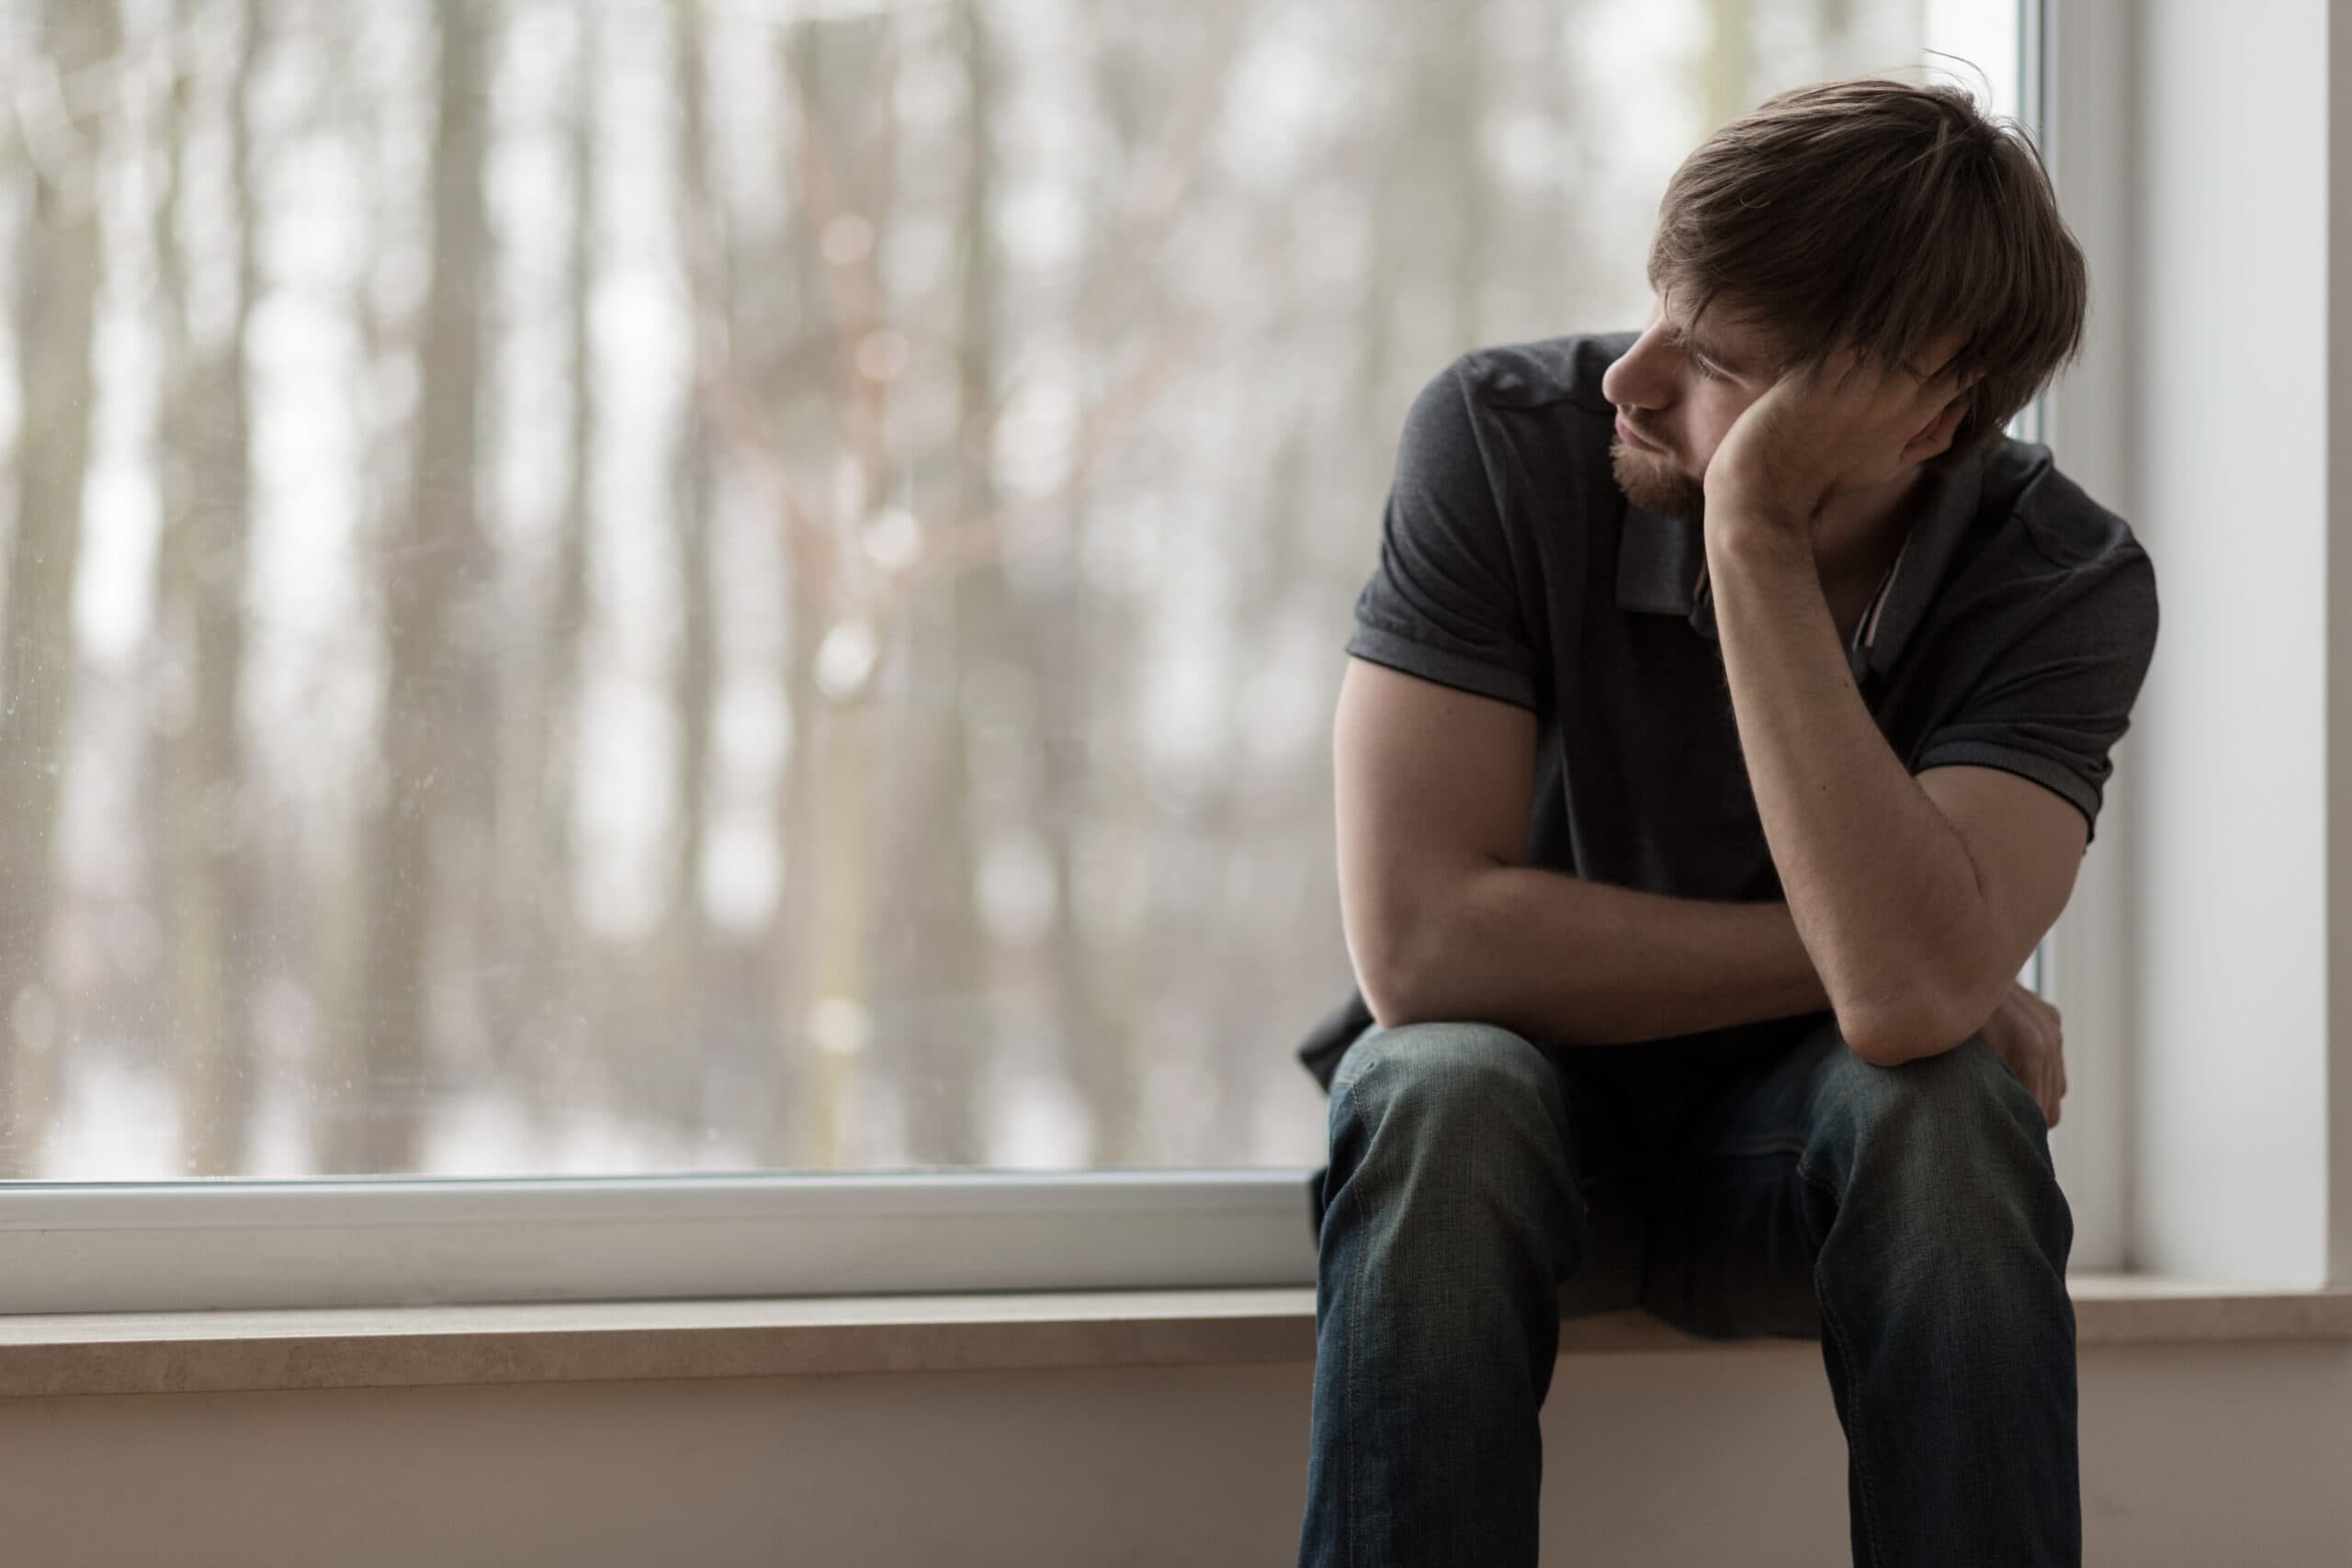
[{"x": 1706, "y": 371}]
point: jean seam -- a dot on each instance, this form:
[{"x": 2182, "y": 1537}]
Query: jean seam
[
  {"x": 1347, "y": 1376},
  {"x": 1853, "y": 1386}
]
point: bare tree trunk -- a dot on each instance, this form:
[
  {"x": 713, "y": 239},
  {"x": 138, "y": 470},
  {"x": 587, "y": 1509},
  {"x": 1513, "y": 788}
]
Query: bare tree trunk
[
  {"x": 830, "y": 1024},
  {"x": 537, "y": 1017},
  {"x": 1724, "y": 71},
  {"x": 55, "y": 314},
  {"x": 377, "y": 1128},
  {"x": 806, "y": 595},
  {"x": 798, "y": 826},
  {"x": 694, "y": 676},
  {"x": 1461, "y": 86},
  {"x": 936, "y": 1023},
  {"x": 1098, "y": 975},
  {"x": 206, "y": 526}
]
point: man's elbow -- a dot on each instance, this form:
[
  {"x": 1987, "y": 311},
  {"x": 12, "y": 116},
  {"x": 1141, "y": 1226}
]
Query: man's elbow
[
  {"x": 1888, "y": 1033},
  {"x": 1401, "y": 979},
  {"x": 1391, "y": 988}
]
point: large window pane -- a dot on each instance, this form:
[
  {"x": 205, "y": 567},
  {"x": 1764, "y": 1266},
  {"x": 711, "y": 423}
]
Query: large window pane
[{"x": 659, "y": 587}]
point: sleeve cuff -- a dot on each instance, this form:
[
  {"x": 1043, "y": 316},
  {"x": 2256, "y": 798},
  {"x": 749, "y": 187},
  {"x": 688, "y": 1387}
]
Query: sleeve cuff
[
  {"x": 2055, "y": 776},
  {"x": 1445, "y": 669}
]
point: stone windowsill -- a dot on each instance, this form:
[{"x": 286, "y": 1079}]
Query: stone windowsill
[{"x": 411, "y": 1346}]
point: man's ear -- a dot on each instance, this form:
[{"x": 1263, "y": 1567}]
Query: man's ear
[{"x": 1934, "y": 438}]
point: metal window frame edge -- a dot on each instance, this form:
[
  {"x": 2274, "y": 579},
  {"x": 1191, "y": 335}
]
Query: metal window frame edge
[
  {"x": 391, "y": 1242},
  {"x": 2077, "y": 96}
]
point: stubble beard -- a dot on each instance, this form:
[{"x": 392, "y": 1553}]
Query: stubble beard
[{"x": 1655, "y": 482}]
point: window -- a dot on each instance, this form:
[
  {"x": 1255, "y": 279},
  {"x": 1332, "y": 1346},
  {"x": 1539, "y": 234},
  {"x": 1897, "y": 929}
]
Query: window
[{"x": 639, "y": 588}]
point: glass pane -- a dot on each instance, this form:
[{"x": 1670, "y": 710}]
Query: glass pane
[{"x": 648, "y": 587}]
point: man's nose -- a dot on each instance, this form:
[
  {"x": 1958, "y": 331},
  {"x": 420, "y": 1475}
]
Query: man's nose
[{"x": 1642, "y": 377}]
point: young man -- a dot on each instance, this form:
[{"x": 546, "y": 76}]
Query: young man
[{"x": 1727, "y": 719}]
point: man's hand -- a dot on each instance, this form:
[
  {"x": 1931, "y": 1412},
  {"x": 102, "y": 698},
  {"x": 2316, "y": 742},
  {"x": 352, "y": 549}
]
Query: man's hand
[
  {"x": 1825, "y": 430},
  {"x": 2025, "y": 1034}
]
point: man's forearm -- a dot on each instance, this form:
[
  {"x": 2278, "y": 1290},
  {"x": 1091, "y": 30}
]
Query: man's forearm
[
  {"x": 1880, "y": 884},
  {"x": 1578, "y": 963}
]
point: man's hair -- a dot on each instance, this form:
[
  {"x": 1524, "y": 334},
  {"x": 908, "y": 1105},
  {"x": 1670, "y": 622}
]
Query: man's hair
[{"x": 1880, "y": 215}]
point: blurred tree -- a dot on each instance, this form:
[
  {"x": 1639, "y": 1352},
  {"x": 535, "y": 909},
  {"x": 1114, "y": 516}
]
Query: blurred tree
[
  {"x": 838, "y": 81},
  {"x": 376, "y": 1125},
  {"x": 682, "y": 984},
  {"x": 63, "y": 125},
  {"x": 204, "y": 439},
  {"x": 1726, "y": 65},
  {"x": 1081, "y": 648},
  {"x": 936, "y": 1027},
  {"x": 543, "y": 999}
]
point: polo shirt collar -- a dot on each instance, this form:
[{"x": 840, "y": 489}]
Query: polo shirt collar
[{"x": 1662, "y": 568}]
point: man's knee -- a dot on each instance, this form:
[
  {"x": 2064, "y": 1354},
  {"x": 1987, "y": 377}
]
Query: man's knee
[
  {"x": 1455, "y": 1128},
  {"x": 1968, "y": 1087},
  {"x": 1439, "y": 1087},
  {"x": 1444, "y": 1061},
  {"x": 1954, "y": 1133}
]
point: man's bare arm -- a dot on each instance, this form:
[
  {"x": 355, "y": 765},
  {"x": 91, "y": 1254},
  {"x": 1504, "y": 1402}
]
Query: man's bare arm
[
  {"x": 1918, "y": 901},
  {"x": 1445, "y": 920}
]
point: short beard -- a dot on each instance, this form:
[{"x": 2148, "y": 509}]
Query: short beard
[{"x": 1652, "y": 481}]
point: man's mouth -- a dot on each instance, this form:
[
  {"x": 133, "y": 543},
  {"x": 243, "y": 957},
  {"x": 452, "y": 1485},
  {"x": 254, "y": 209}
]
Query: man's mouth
[{"x": 1626, "y": 433}]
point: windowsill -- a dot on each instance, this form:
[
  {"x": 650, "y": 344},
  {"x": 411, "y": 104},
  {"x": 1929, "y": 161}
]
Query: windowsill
[{"x": 201, "y": 1352}]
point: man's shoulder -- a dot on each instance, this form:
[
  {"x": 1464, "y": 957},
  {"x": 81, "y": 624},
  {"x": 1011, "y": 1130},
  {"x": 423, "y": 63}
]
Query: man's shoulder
[
  {"x": 2066, "y": 528},
  {"x": 1541, "y": 373}
]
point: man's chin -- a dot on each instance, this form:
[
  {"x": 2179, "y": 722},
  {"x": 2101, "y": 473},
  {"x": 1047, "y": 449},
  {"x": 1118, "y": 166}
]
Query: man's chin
[{"x": 1652, "y": 482}]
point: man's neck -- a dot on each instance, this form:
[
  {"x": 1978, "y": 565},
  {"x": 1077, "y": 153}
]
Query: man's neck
[{"x": 1856, "y": 538}]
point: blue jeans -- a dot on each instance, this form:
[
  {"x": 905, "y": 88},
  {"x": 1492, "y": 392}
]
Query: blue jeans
[{"x": 1482, "y": 1187}]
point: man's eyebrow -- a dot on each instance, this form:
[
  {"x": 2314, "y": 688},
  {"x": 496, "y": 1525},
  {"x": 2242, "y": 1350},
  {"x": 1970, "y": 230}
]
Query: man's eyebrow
[{"x": 1701, "y": 347}]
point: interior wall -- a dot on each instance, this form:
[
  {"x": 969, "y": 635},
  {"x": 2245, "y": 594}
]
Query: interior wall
[
  {"x": 2191, "y": 1456},
  {"x": 2231, "y": 411}
]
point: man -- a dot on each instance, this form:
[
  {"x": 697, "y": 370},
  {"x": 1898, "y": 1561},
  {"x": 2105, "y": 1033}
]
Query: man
[{"x": 1727, "y": 718}]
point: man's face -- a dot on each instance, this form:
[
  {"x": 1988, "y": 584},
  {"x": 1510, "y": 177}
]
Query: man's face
[{"x": 1678, "y": 391}]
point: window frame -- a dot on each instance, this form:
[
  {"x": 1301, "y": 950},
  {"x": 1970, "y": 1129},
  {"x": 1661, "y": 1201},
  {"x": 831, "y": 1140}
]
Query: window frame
[
  {"x": 2073, "y": 97},
  {"x": 386, "y": 1242}
]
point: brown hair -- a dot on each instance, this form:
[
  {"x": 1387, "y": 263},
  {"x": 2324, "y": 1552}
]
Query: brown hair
[{"x": 1880, "y": 215}]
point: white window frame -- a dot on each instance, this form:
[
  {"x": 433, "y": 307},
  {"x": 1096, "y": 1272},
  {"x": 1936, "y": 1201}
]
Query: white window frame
[
  {"x": 397, "y": 1242},
  {"x": 2070, "y": 98},
  {"x": 385, "y": 1242}
]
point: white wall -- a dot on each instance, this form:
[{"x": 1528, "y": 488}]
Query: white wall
[
  {"x": 2191, "y": 1456},
  {"x": 2233, "y": 490}
]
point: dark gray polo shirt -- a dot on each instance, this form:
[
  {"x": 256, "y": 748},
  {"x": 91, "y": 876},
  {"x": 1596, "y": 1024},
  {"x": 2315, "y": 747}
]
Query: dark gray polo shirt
[{"x": 2012, "y": 632}]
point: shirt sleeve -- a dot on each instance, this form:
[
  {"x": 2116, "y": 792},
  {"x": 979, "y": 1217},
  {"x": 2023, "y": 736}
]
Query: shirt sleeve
[
  {"x": 2058, "y": 697},
  {"x": 1442, "y": 603}
]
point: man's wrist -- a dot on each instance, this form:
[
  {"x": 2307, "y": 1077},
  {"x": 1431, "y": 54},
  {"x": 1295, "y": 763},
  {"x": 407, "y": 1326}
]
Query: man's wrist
[{"x": 1758, "y": 539}]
